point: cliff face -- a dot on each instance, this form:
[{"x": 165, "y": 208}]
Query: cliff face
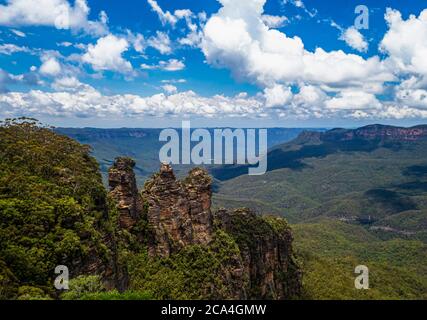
[
  {"x": 378, "y": 132},
  {"x": 179, "y": 216},
  {"x": 389, "y": 132},
  {"x": 198, "y": 189},
  {"x": 265, "y": 245},
  {"x": 124, "y": 191},
  {"x": 178, "y": 212}
]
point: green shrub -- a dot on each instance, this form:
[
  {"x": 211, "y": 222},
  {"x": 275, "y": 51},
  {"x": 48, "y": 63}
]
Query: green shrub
[
  {"x": 82, "y": 286},
  {"x": 32, "y": 293}
]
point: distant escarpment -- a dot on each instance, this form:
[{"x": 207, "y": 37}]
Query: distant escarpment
[
  {"x": 223, "y": 254},
  {"x": 315, "y": 144},
  {"x": 378, "y": 132},
  {"x": 374, "y": 135}
]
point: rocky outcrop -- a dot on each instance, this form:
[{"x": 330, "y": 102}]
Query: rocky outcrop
[
  {"x": 179, "y": 215},
  {"x": 199, "y": 193},
  {"x": 113, "y": 274},
  {"x": 265, "y": 245},
  {"x": 178, "y": 212},
  {"x": 124, "y": 191},
  {"x": 168, "y": 213}
]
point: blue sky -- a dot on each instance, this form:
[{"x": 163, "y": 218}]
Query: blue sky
[{"x": 219, "y": 63}]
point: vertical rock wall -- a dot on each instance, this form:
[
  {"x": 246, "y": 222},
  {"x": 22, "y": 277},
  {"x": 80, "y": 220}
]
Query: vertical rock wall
[{"x": 124, "y": 191}]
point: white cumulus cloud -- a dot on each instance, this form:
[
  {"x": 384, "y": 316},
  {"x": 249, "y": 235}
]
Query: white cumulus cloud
[
  {"x": 278, "y": 95},
  {"x": 413, "y": 92},
  {"x": 50, "y": 66},
  {"x": 238, "y": 39},
  {"x": 355, "y": 39},
  {"x": 69, "y": 84},
  {"x": 54, "y": 13},
  {"x": 75, "y": 99},
  {"x": 88, "y": 102},
  {"x": 353, "y": 100},
  {"x": 107, "y": 53},
  {"x": 406, "y": 42}
]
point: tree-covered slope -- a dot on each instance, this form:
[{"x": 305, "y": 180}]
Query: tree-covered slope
[
  {"x": 330, "y": 250},
  {"x": 53, "y": 209}
]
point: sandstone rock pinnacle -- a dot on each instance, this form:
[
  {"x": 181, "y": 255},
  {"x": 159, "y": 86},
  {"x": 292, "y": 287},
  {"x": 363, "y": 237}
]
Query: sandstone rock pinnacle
[{"x": 124, "y": 190}]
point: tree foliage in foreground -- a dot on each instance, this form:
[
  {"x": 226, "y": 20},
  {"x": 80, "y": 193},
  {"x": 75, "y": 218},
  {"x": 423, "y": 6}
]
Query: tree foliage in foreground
[{"x": 52, "y": 202}]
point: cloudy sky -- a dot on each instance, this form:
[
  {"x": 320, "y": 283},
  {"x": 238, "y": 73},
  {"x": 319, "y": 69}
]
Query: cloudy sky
[{"x": 154, "y": 63}]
